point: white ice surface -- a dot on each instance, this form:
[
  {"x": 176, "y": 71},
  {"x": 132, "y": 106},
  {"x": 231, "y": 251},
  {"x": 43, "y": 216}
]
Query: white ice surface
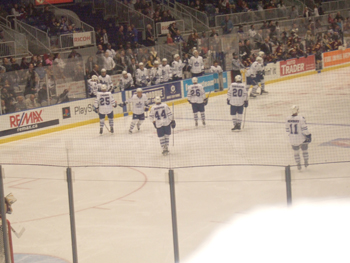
[{"x": 123, "y": 213}]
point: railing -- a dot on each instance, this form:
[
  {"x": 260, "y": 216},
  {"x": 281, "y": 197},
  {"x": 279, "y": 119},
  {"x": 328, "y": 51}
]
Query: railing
[
  {"x": 254, "y": 16},
  {"x": 335, "y": 5},
  {"x": 162, "y": 27},
  {"x": 198, "y": 16},
  {"x": 7, "y": 49},
  {"x": 21, "y": 42},
  {"x": 66, "y": 41}
]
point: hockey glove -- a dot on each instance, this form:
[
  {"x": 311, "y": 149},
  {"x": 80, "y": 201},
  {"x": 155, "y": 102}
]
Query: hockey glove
[
  {"x": 245, "y": 104},
  {"x": 205, "y": 101},
  {"x": 307, "y": 138},
  {"x": 96, "y": 110},
  {"x": 189, "y": 102},
  {"x": 154, "y": 124},
  {"x": 173, "y": 124},
  {"x": 122, "y": 104},
  {"x": 228, "y": 102},
  {"x": 147, "y": 108}
]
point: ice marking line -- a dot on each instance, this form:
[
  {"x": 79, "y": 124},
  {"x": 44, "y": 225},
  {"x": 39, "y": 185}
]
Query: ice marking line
[
  {"x": 96, "y": 206},
  {"x": 16, "y": 185},
  {"x": 277, "y": 122}
]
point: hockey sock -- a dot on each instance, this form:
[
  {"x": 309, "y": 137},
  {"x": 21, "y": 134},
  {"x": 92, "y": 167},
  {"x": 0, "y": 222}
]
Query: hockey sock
[
  {"x": 162, "y": 141},
  {"x": 139, "y": 123},
  {"x": 195, "y": 116},
  {"x": 111, "y": 122},
  {"x": 306, "y": 156},
  {"x": 255, "y": 88},
  {"x": 203, "y": 115},
  {"x": 297, "y": 156},
  {"x": 102, "y": 123},
  {"x": 166, "y": 140},
  {"x": 239, "y": 118},
  {"x": 234, "y": 119},
  {"x": 132, "y": 125},
  {"x": 262, "y": 86}
]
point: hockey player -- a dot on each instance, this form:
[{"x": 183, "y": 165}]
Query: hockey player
[
  {"x": 94, "y": 86},
  {"x": 236, "y": 65},
  {"x": 105, "y": 79},
  {"x": 177, "y": 67},
  {"x": 140, "y": 105},
  {"x": 196, "y": 64},
  {"x": 166, "y": 71},
  {"x": 103, "y": 106},
  {"x": 237, "y": 98},
  {"x": 142, "y": 78},
  {"x": 155, "y": 73},
  {"x": 126, "y": 81},
  {"x": 196, "y": 97},
  {"x": 162, "y": 119},
  {"x": 252, "y": 76},
  {"x": 299, "y": 136},
  {"x": 261, "y": 74},
  {"x": 216, "y": 68}
]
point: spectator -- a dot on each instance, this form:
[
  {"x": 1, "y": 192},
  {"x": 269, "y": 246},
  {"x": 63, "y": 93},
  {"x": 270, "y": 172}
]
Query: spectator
[
  {"x": 150, "y": 41},
  {"x": 3, "y": 107},
  {"x": 258, "y": 39},
  {"x": 178, "y": 38},
  {"x": 31, "y": 11},
  {"x": 330, "y": 19},
  {"x": 120, "y": 38},
  {"x": 227, "y": 25},
  {"x": 98, "y": 34},
  {"x": 213, "y": 33},
  {"x": 14, "y": 65},
  {"x": 129, "y": 36},
  {"x": 111, "y": 52},
  {"x": 3, "y": 12},
  {"x": 100, "y": 56},
  {"x": 9, "y": 99},
  {"x": 89, "y": 66},
  {"x": 339, "y": 17},
  {"x": 75, "y": 55},
  {"x": 40, "y": 71},
  {"x": 136, "y": 33},
  {"x": 61, "y": 65},
  {"x": 252, "y": 31},
  {"x": 43, "y": 96},
  {"x": 34, "y": 61},
  {"x": 31, "y": 102},
  {"x": 15, "y": 10},
  {"x": 293, "y": 13},
  {"x": 150, "y": 62},
  {"x": 169, "y": 39},
  {"x": 266, "y": 47},
  {"x": 320, "y": 10},
  {"x": 172, "y": 29},
  {"x": 108, "y": 64},
  {"x": 49, "y": 60},
  {"x": 32, "y": 81},
  {"x": 6, "y": 63},
  {"x": 316, "y": 11},
  {"x": 20, "y": 105},
  {"x": 132, "y": 68},
  {"x": 24, "y": 63},
  {"x": 105, "y": 37},
  {"x": 95, "y": 71},
  {"x": 306, "y": 13},
  {"x": 47, "y": 15}
]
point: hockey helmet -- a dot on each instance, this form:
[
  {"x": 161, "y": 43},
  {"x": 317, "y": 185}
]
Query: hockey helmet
[
  {"x": 140, "y": 64},
  {"x": 261, "y": 53},
  {"x": 176, "y": 56},
  {"x": 139, "y": 90},
  {"x": 103, "y": 87},
  {"x": 295, "y": 109},
  {"x": 164, "y": 60},
  {"x": 94, "y": 78},
  {"x": 124, "y": 72},
  {"x": 103, "y": 70},
  {"x": 259, "y": 59},
  {"x": 157, "y": 100},
  {"x": 194, "y": 80},
  {"x": 156, "y": 62},
  {"x": 238, "y": 78},
  {"x": 195, "y": 52}
]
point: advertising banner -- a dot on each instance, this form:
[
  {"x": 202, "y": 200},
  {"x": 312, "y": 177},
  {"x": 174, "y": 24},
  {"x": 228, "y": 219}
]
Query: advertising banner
[
  {"x": 52, "y": 2},
  {"x": 28, "y": 121},
  {"x": 76, "y": 89},
  {"x": 167, "y": 91},
  {"x": 272, "y": 71},
  {"x": 336, "y": 57},
  {"x": 297, "y": 65},
  {"x": 82, "y": 39},
  {"x": 208, "y": 82},
  {"x": 164, "y": 27}
]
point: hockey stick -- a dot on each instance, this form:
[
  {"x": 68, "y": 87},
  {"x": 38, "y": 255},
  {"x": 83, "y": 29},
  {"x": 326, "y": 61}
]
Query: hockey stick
[
  {"x": 173, "y": 129},
  {"x": 245, "y": 111},
  {"x": 18, "y": 235}
]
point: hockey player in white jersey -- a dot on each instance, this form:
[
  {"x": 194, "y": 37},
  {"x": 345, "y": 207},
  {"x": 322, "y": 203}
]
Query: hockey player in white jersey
[
  {"x": 196, "y": 64},
  {"x": 176, "y": 67},
  {"x": 162, "y": 119},
  {"x": 142, "y": 78},
  {"x": 299, "y": 136},
  {"x": 216, "y": 68},
  {"x": 237, "y": 98},
  {"x": 103, "y": 106},
  {"x": 140, "y": 105},
  {"x": 126, "y": 81},
  {"x": 156, "y": 74},
  {"x": 252, "y": 76},
  {"x": 94, "y": 86},
  {"x": 196, "y": 97},
  {"x": 166, "y": 71},
  {"x": 261, "y": 74},
  {"x": 105, "y": 79}
]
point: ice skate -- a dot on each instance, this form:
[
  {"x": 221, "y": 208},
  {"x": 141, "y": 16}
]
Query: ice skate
[
  {"x": 138, "y": 126},
  {"x": 263, "y": 92},
  {"x": 101, "y": 130},
  {"x": 112, "y": 130},
  {"x": 196, "y": 123},
  {"x": 165, "y": 150},
  {"x": 130, "y": 131},
  {"x": 299, "y": 166},
  {"x": 306, "y": 164},
  {"x": 203, "y": 122},
  {"x": 236, "y": 127},
  {"x": 252, "y": 95}
]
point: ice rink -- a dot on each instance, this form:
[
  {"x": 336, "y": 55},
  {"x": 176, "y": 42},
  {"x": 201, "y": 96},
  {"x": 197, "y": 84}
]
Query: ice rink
[{"x": 121, "y": 193}]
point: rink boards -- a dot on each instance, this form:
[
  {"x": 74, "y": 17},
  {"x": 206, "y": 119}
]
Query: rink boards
[{"x": 30, "y": 123}]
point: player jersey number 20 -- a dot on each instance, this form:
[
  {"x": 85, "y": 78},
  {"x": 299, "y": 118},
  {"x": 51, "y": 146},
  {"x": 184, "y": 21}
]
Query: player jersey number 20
[
  {"x": 104, "y": 101},
  {"x": 236, "y": 93}
]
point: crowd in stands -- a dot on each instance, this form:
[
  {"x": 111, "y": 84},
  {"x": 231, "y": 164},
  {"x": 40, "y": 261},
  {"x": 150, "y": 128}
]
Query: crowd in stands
[{"x": 30, "y": 83}]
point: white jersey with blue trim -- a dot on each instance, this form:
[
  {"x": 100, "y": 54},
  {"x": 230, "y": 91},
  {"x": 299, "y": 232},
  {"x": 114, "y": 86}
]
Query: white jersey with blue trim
[
  {"x": 138, "y": 104},
  {"x": 166, "y": 72},
  {"x": 126, "y": 83},
  {"x": 156, "y": 75},
  {"x": 94, "y": 87},
  {"x": 177, "y": 67},
  {"x": 254, "y": 69},
  {"x": 104, "y": 102},
  {"x": 161, "y": 114},
  {"x": 195, "y": 93},
  {"x": 142, "y": 77},
  {"x": 106, "y": 80},
  {"x": 197, "y": 65},
  {"x": 296, "y": 128},
  {"x": 217, "y": 69},
  {"x": 237, "y": 94}
]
